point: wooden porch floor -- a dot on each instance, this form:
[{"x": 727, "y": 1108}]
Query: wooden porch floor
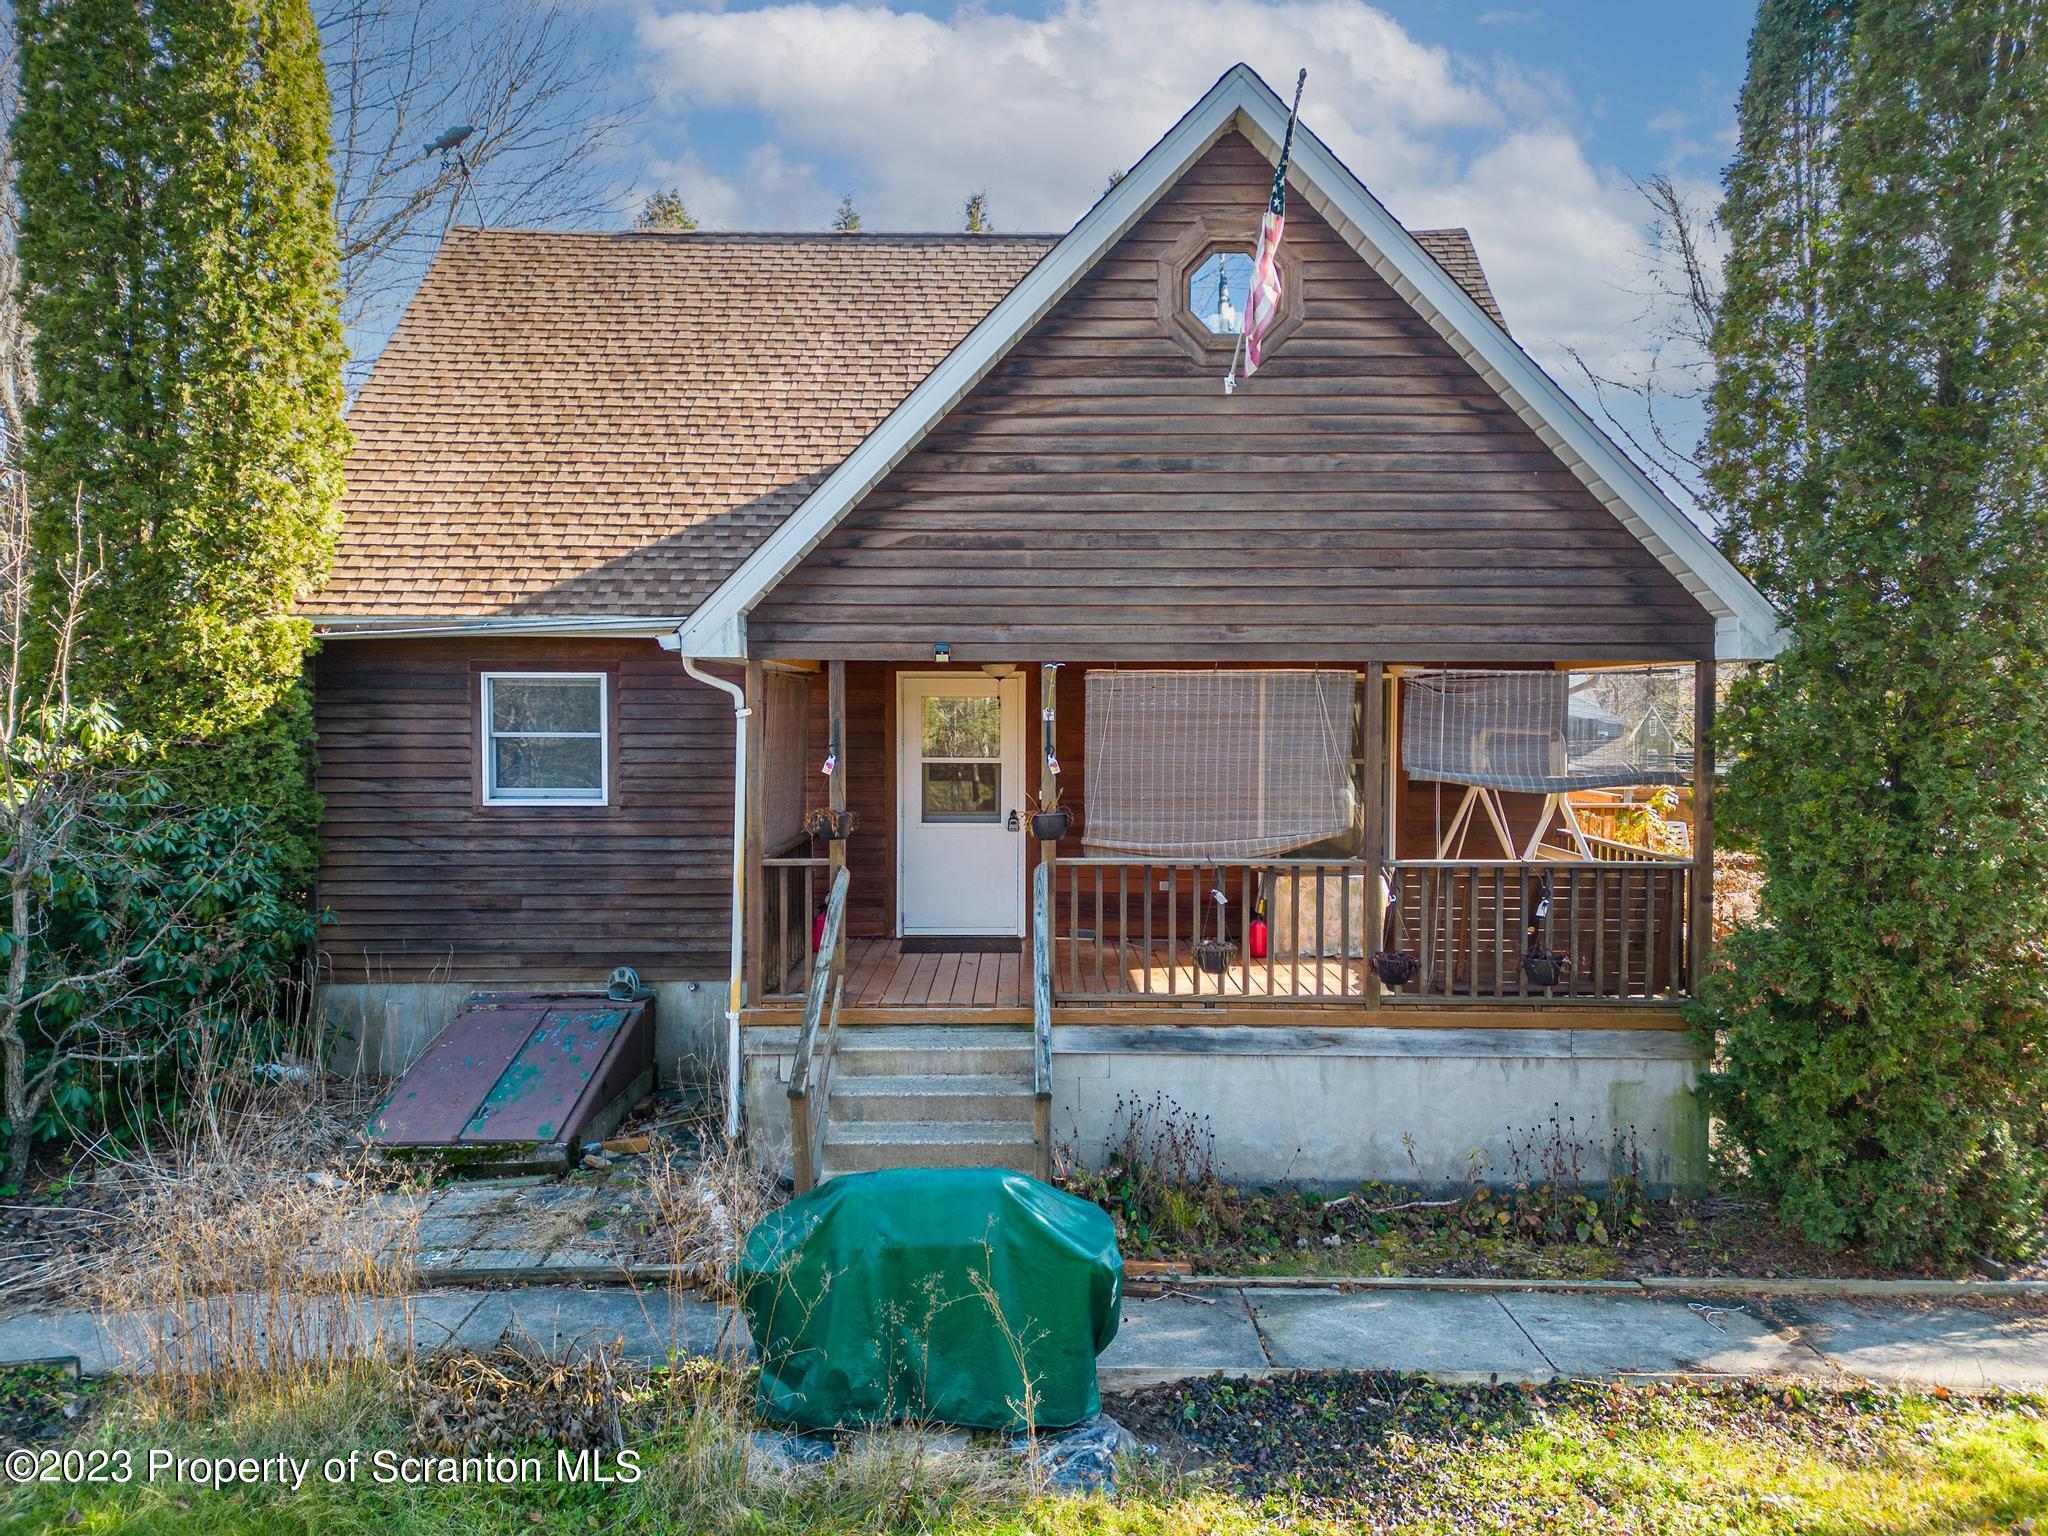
[{"x": 880, "y": 975}]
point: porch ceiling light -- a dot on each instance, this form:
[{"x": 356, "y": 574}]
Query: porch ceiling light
[
  {"x": 941, "y": 652},
  {"x": 999, "y": 669}
]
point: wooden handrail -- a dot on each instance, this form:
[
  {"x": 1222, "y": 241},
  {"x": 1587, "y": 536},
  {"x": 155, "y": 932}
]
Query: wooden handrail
[
  {"x": 1041, "y": 1018},
  {"x": 1669, "y": 861},
  {"x": 809, "y": 1104},
  {"x": 1117, "y": 861}
]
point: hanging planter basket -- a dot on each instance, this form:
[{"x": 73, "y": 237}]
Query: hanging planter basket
[
  {"x": 832, "y": 826},
  {"x": 1547, "y": 968},
  {"x": 1051, "y": 826},
  {"x": 1396, "y": 967},
  {"x": 1214, "y": 955}
]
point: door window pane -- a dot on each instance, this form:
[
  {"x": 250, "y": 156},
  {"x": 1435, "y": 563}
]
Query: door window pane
[
  {"x": 962, "y": 791},
  {"x": 963, "y": 727}
]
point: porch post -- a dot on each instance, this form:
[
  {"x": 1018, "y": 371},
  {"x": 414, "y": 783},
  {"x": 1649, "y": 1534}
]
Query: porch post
[
  {"x": 1374, "y": 789},
  {"x": 1048, "y": 745},
  {"x": 756, "y": 829},
  {"x": 1700, "y": 941},
  {"x": 835, "y": 787}
]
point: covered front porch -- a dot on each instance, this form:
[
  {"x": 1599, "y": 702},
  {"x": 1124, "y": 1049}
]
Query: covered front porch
[{"x": 1487, "y": 880}]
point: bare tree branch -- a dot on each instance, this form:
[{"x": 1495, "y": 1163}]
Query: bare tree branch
[
  {"x": 403, "y": 72},
  {"x": 1680, "y": 298}
]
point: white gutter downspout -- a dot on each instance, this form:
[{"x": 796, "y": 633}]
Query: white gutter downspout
[{"x": 740, "y": 712}]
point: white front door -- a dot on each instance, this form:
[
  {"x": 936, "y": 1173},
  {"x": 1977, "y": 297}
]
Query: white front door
[{"x": 960, "y": 803}]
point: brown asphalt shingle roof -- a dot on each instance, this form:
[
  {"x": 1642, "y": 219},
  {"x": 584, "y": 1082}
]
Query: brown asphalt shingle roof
[{"x": 571, "y": 425}]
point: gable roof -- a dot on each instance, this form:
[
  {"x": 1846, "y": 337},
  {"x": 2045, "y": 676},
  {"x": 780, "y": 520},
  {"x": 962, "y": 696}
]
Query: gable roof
[
  {"x": 1745, "y": 624},
  {"x": 577, "y": 431}
]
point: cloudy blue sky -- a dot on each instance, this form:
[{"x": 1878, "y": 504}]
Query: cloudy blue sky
[{"x": 1523, "y": 121}]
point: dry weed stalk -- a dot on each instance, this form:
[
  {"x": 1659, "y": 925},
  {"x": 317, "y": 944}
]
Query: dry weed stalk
[
  {"x": 464, "y": 1404},
  {"x": 251, "y": 1265}
]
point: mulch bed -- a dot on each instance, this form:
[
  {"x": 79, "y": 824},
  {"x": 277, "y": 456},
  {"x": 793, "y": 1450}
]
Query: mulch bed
[{"x": 1383, "y": 1448}]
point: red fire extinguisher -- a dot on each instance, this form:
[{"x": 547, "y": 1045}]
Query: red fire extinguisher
[{"x": 1257, "y": 937}]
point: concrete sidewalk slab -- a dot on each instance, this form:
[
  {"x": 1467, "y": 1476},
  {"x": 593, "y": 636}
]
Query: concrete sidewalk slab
[
  {"x": 1964, "y": 1348},
  {"x": 54, "y": 1336},
  {"x": 1441, "y": 1332},
  {"x": 1593, "y": 1335},
  {"x": 651, "y": 1325},
  {"x": 1521, "y": 1336},
  {"x": 1170, "y": 1336}
]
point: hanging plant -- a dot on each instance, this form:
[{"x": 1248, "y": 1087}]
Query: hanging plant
[
  {"x": 1547, "y": 968},
  {"x": 1214, "y": 955},
  {"x": 1396, "y": 967},
  {"x": 1050, "y": 820},
  {"x": 833, "y": 826}
]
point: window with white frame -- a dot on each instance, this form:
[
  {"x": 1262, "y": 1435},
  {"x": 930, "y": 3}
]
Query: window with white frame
[{"x": 545, "y": 738}]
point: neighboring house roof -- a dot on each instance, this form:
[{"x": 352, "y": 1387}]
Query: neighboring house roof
[
  {"x": 589, "y": 431},
  {"x": 1745, "y": 623}
]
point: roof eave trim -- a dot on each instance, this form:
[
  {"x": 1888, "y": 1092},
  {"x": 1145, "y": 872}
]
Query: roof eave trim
[{"x": 567, "y": 626}]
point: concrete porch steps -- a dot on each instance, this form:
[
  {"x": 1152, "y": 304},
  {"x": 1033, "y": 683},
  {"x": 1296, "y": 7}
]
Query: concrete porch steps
[
  {"x": 934, "y": 1096},
  {"x": 868, "y": 1144},
  {"x": 945, "y": 1096}
]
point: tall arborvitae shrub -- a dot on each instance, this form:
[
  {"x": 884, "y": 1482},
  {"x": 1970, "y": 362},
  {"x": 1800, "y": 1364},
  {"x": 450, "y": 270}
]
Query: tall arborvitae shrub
[
  {"x": 1879, "y": 442},
  {"x": 179, "y": 267}
]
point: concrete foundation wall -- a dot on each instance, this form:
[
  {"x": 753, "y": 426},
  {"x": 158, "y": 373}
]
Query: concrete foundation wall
[
  {"x": 1332, "y": 1107},
  {"x": 378, "y": 1029}
]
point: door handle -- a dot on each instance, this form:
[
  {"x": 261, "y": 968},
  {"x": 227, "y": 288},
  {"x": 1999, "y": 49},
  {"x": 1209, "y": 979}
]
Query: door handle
[{"x": 1013, "y": 821}]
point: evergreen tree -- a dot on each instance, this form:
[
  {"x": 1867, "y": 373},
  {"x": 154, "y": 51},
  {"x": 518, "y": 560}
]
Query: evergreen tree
[
  {"x": 847, "y": 220},
  {"x": 665, "y": 211},
  {"x": 178, "y": 262},
  {"x": 1879, "y": 442}
]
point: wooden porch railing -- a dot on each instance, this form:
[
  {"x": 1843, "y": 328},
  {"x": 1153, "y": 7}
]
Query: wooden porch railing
[
  {"x": 810, "y": 1076},
  {"x": 789, "y": 904},
  {"x": 1471, "y": 924},
  {"x": 1041, "y": 1019},
  {"x": 1152, "y": 930}
]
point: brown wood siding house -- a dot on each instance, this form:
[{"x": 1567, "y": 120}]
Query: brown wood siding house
[{"x": 868, "y": 469}]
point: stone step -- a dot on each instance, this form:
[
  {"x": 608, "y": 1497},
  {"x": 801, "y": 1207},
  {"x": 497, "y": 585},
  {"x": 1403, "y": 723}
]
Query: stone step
[
  {"x": 932, "y": 1050},
  {"x": 957, "y": 1096},
  {"x": 860, "y": 1145}
]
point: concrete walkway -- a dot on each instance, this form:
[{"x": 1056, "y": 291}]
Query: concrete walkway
[{"x": 1453, "y": 1335}]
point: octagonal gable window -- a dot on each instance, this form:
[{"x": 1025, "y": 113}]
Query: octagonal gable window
[{"x": 1217, "y": 286}]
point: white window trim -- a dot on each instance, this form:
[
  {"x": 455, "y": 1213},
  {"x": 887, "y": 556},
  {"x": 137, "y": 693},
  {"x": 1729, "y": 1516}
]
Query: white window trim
[{"x": 577, "y": 798}]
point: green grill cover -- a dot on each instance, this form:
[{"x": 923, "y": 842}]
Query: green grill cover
[{"x": 931, "y": 1293}]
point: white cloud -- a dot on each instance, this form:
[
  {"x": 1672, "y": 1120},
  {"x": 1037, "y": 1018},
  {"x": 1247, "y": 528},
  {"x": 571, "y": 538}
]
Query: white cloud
[
  {"x": 925, "y": 109},
  {"x": 1040, "y": 111}
]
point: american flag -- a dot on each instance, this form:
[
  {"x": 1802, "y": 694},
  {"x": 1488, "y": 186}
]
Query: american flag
[{"x": 1262, "y": 305}]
